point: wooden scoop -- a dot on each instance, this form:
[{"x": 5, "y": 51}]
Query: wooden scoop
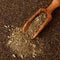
[{"x": 48, "y": 11}]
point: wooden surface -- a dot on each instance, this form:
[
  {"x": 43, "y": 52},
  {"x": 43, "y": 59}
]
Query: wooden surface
[{"x": 16, "y": 12}]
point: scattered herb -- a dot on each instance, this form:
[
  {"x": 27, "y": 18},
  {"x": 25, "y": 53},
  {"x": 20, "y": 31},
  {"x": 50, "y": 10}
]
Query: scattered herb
[{"x": 23, "y": 46}]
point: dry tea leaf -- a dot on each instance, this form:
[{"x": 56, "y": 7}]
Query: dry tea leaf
[
  {"x": 21, "y": 44},
  {"x": 36, "y": 23}
]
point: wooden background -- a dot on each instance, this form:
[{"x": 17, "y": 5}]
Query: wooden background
[{"x": 16, "y": 12}]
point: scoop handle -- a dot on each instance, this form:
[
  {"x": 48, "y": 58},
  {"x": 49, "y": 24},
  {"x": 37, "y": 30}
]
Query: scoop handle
[{"x": 53, "y": 6}]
